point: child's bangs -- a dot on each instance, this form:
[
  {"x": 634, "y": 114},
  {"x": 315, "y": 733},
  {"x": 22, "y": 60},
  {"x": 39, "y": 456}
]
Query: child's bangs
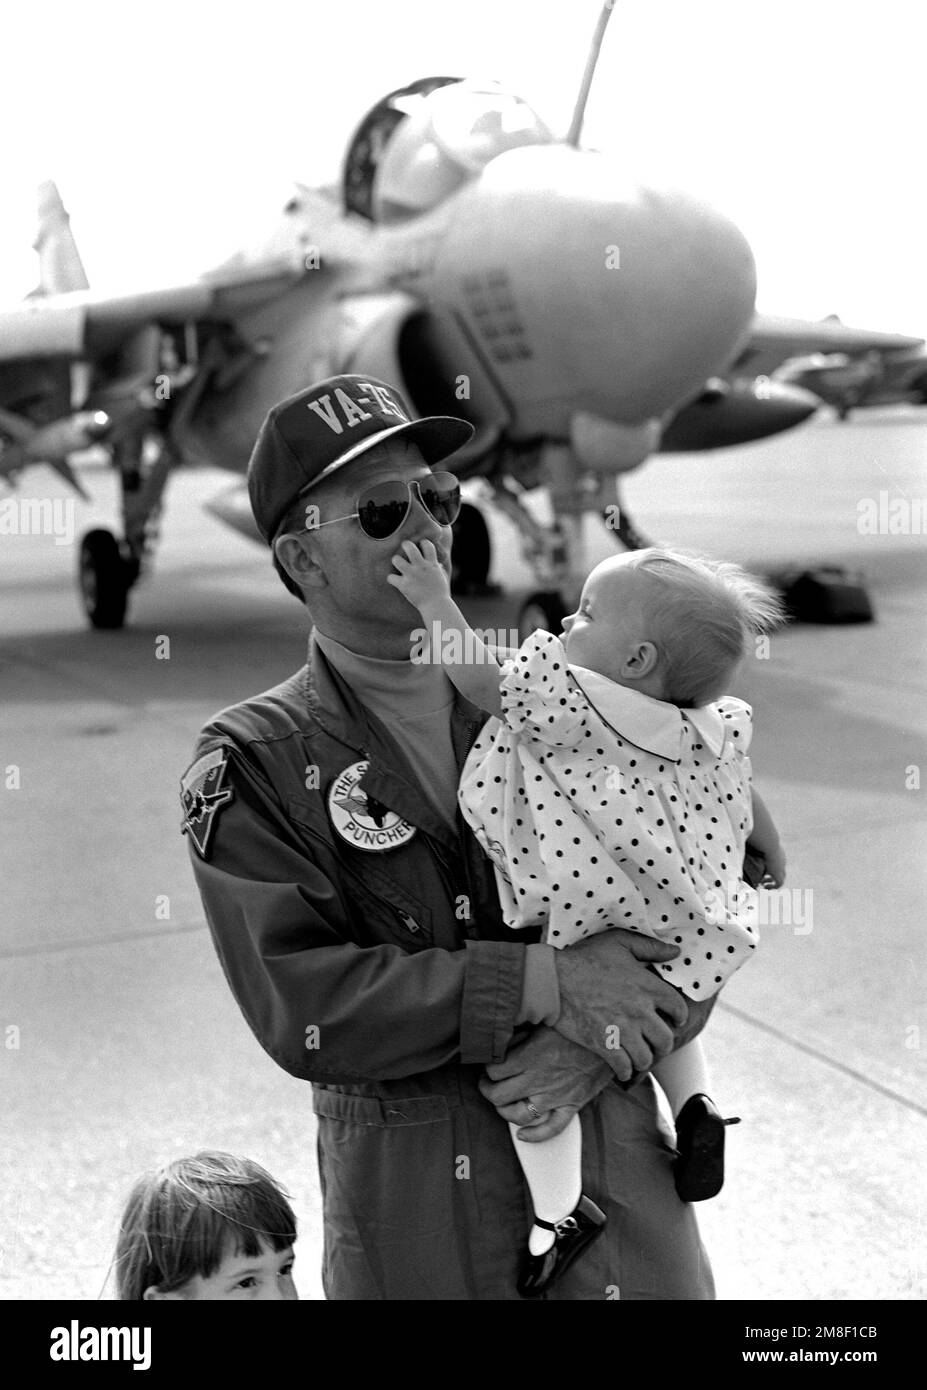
[{"x": 237, "y": 1219}]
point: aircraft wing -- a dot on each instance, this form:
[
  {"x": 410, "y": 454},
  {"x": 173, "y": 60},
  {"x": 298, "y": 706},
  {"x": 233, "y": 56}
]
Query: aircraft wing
[
  {"x": 84, "y": 325},
  {"x": 773, "y": 341},
  {"x": 313, "y": 232}
]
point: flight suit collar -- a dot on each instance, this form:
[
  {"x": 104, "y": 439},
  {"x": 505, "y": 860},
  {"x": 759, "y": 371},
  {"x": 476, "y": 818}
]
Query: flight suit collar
[
  {"x": 332, "y": 703},
  {"x": 336, "y": 709}
]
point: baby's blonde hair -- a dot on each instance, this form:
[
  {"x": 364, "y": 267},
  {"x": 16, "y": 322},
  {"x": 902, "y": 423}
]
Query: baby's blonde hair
[{"x": 702, "y": 614}]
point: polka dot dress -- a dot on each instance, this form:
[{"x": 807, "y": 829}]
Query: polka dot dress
[{"x": 601, "y": 807}]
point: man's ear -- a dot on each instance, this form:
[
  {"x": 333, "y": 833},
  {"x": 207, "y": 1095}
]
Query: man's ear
[
  {"x": 297, "y": 555},
  {"x": 641, "y": 661}
]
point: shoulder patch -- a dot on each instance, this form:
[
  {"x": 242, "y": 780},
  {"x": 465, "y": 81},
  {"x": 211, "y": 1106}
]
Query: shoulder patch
[{"x": 202, "y": 796}]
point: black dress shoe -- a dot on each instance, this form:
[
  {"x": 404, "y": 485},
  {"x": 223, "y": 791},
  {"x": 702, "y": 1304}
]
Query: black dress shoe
[
  {"x": 699, "y": 1167},
  {"x": 571, "y": 1236}
]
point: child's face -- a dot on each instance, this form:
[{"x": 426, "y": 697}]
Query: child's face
[
  {"x": 261, "y": 1278},
  {"x": 610, "y": 621}
]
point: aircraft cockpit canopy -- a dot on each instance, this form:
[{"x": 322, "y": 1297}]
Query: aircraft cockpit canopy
[
  {"x": 447, "y": 140},
  {"x": 433, "y": 142}
]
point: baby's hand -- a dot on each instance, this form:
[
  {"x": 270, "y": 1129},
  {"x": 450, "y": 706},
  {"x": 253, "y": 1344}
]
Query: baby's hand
[
  {"x": 421, "y": 578},
  {"x": 774, "y": 877}
]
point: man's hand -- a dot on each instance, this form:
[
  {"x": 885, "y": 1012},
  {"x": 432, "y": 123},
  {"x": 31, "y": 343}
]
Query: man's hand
[
  {"x": 420, "y": 579},
  {"x": 557, "y": 1076},
  {"x": 613, "y": 1005}
]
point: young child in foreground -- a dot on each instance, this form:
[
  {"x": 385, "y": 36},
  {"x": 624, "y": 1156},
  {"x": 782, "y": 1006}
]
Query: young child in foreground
[
  {"x": 612, "y": 789},
  {"x": 214, "y": 1227}
]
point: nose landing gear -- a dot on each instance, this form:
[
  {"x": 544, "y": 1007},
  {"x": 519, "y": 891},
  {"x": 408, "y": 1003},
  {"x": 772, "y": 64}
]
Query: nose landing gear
[
  {"x": 105, "y": 576},
  {"x": 107, "y": 566}
]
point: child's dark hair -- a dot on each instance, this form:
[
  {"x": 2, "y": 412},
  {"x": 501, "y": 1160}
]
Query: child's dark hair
[
  {"x": 183, "y": 1219},
  {"x": 703, "y": 614}
]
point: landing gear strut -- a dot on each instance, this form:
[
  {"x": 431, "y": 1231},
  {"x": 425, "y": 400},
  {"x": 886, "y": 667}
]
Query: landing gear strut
[
  {"x": 620, "y": 522},
  {"x": 109, "y": 567}
]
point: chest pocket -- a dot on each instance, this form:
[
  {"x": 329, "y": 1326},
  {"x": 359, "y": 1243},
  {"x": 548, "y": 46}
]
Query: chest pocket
[{"x": 383, "y": 906}]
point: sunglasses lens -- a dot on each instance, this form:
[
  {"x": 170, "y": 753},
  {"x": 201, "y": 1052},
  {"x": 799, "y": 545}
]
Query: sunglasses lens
[
  {"x": 382, "y": 509},
  {"x": 441, "y": 495}
]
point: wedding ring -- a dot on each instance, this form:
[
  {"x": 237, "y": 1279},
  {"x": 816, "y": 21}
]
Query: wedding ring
[{"x": 534, "y": 1110}]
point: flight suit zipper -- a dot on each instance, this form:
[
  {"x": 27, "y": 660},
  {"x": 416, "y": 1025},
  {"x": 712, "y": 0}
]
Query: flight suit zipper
[
  {"x": 445, "y": 873},
  {"x": 448, "y": 879}
]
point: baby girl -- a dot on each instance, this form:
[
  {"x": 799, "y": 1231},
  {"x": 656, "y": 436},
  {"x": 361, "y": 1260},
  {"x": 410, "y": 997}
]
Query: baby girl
[{"x": 613, "y": 789}]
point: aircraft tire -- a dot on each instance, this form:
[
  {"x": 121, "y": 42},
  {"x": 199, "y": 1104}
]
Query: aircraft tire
[
  {"x": 104, "y": 580},
  {"x": 541, "y": 610},
  {"x": 471, "y": 552}
]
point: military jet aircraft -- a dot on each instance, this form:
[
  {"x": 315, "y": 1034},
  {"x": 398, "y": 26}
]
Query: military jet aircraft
[{"x": 486, "y": 267}]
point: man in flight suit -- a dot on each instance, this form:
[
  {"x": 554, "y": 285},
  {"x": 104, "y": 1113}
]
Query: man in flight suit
[{"x": 357, "y": 922}]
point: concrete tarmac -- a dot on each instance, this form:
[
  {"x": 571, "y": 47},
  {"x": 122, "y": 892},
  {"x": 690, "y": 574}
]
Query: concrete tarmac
[{"x": 121, "y": 1046}]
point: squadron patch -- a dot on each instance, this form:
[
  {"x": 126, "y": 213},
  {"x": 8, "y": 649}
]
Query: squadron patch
[
  {"x": 203, "y": 796},
  {"x": 361, "y": 821}
]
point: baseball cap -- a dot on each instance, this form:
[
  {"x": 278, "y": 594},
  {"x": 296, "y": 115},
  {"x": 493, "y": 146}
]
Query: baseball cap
[{"x": 310, "y": 435}]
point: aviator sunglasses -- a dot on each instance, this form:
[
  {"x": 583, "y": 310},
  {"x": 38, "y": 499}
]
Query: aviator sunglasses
[{"x": 382, "y": 509}]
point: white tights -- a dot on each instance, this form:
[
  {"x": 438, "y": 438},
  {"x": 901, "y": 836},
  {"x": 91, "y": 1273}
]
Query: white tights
[{"x": 553, "y": 1168}]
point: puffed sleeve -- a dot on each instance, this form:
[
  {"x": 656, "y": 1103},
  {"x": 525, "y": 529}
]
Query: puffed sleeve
[
  {"x": 738, "y": 721},
  {"x": 538, "y": 697}
]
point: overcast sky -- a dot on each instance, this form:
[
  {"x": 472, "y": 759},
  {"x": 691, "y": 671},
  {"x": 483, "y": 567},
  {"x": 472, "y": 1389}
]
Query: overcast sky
[{"x": 173, "y": 129}]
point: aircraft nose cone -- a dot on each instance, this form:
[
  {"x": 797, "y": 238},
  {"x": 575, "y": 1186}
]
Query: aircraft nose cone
[{"x": 585, "y": 291}]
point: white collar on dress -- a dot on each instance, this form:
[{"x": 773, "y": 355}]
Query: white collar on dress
[{"x": 653, "y": 725}]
